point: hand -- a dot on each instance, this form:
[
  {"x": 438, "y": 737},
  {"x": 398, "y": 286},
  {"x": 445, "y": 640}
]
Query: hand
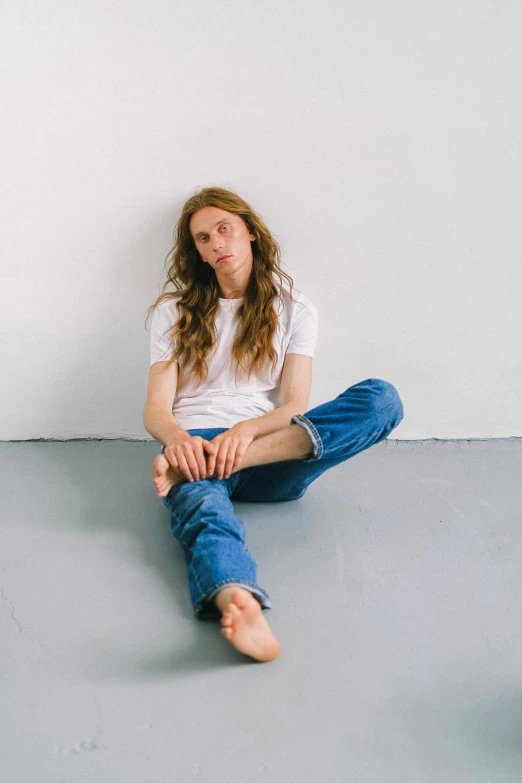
[
  {"x": 186, "y": 455},
  {"x": 230, "y": 449}
]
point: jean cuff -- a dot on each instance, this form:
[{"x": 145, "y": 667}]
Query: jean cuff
[
  {"x": 314, "y": 436},
  {"x": 206, "y": 607}
]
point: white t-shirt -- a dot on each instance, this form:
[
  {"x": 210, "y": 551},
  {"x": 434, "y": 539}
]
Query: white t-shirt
[{"x": 220, "y": 401}]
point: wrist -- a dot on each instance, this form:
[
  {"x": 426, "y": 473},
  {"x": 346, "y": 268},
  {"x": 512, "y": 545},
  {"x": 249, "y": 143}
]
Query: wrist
[
  {"x": 173, "y": 438},
  {"x": 249, "y": 427}
]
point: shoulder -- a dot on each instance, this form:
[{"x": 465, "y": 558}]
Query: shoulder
[
  {"x": 168, "y": 305},
  {"x": 300, "y": 303},
  {"x": 165, "y": 311}
]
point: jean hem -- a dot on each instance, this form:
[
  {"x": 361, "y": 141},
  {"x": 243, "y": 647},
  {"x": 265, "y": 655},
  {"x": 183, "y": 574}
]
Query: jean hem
[
  {"x": 317, "y": 443},
  {"x": 204, "y": 608}
]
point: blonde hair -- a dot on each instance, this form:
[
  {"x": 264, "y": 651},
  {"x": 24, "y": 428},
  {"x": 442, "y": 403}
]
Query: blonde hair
[{"x": 197, "y": 293}]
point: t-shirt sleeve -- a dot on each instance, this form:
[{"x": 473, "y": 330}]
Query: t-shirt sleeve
[
  {"x": 304, "y": 329},
  {"x": 160, "y": 345}
]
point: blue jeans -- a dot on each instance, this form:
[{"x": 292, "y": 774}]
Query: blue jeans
[{"x": 201, "y": 512}]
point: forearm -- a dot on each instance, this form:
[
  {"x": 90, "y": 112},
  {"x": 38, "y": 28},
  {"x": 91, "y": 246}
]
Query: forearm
[
  {"x": 274, "y": 420},
  {"x": 160, "y": 423}
]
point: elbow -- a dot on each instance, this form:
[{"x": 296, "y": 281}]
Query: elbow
[{"x": 295, "y": 408}]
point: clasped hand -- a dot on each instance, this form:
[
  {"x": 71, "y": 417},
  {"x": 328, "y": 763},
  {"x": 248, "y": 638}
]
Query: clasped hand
[{"x": 224, "y": 453}]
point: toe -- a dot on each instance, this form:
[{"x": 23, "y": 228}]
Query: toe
[
  {"x": 226, "y": 619},
  {"x": 234, "y": 611}
]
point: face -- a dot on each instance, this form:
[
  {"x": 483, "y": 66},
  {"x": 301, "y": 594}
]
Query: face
[{"x": 217, "y": 233}]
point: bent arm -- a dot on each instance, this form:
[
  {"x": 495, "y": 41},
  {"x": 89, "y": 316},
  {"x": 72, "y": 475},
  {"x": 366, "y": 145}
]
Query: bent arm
[
  {"x": 157, "y": 411},
  {"x": 296, "y": 383}
]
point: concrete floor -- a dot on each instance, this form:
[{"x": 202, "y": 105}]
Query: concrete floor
[{"x": 396, "y": 585}]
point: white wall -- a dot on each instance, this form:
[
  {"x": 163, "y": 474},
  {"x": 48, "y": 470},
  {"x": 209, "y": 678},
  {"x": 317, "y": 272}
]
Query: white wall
[{"x": 379, "y": 141}]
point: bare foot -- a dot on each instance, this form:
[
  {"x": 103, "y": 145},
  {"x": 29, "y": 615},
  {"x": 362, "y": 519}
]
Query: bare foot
[
  {"x": 245, "y": 627},
  {"x": 164, "y": 476}
]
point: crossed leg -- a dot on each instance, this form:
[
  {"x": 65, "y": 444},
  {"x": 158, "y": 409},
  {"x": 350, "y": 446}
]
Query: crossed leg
[
  {"x": 242, "y": 621},
  {"x": 290, "y": 442}
]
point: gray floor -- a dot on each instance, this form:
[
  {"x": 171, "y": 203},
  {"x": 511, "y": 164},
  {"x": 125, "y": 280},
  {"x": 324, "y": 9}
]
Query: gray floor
[{"x": 396, "y": 590}]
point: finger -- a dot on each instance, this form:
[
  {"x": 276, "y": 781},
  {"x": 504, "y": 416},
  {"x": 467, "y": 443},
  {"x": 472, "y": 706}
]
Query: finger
[
  {"x": 238, "y": 460},
  {"x": 220, "y": 461},
  {"x": 192, "y": 464},
  {"x": 173, "y": 462},
  {"x": 212, "y": 449},
  {"x": 202, "y": 466},
  {"x": 184, "y": 468},
  {"x": 211, "y": 465},
  {"x": 229, "y": 462}
]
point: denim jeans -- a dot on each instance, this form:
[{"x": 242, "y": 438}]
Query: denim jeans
[{"x": 202, "y": 516}]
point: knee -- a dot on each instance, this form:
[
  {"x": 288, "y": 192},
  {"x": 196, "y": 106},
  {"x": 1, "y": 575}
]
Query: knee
[
  {"x": 384, "y": 397},
  {"x": 389, "y": 401}
]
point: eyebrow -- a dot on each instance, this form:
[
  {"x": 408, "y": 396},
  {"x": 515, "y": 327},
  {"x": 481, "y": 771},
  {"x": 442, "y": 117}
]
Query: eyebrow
[{"x": 201, "y": 233}]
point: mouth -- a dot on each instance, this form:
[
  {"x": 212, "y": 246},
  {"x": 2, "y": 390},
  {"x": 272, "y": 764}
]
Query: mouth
[{"x": 223, "y": 258}]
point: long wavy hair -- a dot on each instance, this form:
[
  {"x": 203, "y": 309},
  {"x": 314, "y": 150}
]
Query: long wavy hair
[{"x": 194, "y": 334}]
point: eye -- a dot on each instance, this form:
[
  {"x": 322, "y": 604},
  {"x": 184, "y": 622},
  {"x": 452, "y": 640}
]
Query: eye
[{"x": 203, "y": 239}]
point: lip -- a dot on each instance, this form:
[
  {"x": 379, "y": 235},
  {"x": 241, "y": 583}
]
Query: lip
[{"x": 223, "y": 258}]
